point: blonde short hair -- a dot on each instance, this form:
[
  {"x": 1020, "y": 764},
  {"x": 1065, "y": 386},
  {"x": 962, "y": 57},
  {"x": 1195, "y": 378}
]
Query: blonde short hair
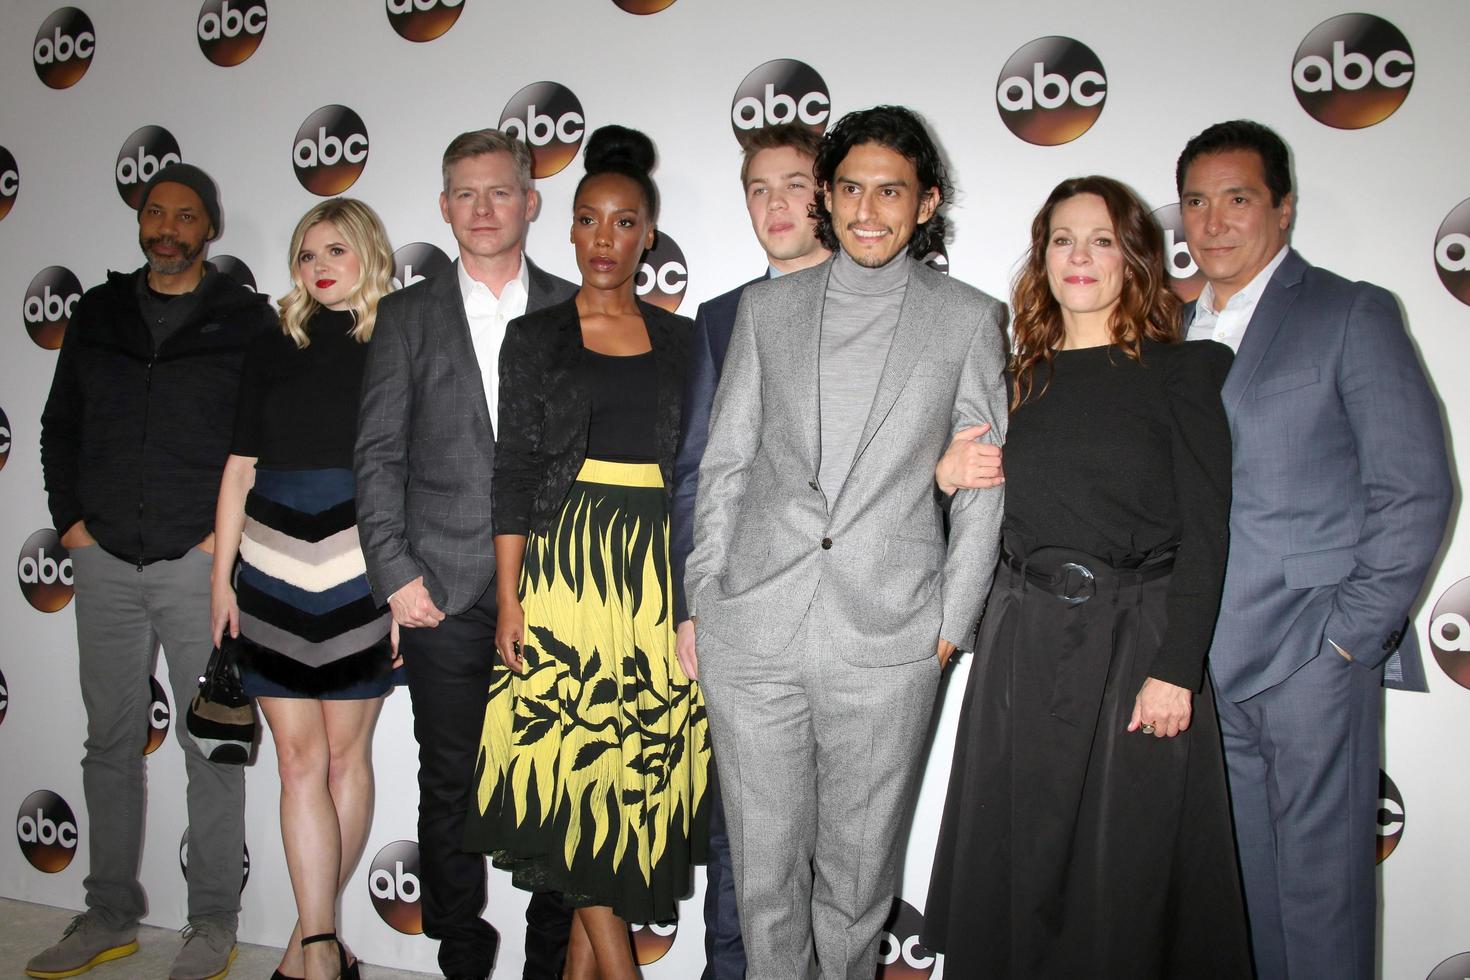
[{"x": 363, "y": 232}]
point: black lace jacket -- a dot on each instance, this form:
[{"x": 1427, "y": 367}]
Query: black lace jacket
[{"x": 545, "y": 410}]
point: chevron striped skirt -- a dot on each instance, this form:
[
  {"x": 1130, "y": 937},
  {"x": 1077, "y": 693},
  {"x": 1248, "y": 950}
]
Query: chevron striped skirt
[{"x": 308, "y": 618}]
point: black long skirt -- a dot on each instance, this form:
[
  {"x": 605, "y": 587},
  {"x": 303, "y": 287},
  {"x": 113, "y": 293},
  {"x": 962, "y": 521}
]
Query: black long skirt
[{"x": 1071, "y": 847}]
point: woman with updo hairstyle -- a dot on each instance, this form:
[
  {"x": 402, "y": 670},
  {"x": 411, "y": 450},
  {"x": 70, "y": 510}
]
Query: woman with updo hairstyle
[
  {"x": 316, "y": 649},
  {"x": 595, "y": 750},
  {"x": 1087, "y": 828}
]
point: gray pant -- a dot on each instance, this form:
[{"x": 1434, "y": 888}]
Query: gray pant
[
  {"x": 818, "y": 764},
  {"x": 122, "y": 615}
]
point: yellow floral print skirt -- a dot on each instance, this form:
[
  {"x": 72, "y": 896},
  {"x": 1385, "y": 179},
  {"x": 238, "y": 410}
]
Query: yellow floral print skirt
[{"x": 591, "y": 777}]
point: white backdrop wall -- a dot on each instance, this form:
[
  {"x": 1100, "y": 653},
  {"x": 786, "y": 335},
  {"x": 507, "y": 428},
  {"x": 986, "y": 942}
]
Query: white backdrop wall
[{"x": 1375, "y": 203}]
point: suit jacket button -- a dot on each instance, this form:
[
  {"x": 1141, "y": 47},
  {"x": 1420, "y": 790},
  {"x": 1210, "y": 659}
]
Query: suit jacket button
[{"x": 826, "y": 544}]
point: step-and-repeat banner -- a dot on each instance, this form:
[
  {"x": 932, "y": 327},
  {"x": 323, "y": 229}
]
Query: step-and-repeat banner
[{"x": 285, "y": 102}]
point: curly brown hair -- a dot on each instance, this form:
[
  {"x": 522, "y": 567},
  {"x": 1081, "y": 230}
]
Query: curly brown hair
[{"x": 1146, "y": 309}]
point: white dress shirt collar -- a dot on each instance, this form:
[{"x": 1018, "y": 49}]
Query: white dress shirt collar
[
  {"x": 1228, "y": 326},
  {"x": 487, "y": 315}
]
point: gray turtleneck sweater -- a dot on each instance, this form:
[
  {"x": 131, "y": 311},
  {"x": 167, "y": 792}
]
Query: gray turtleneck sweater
[{"x": 859, "y": 317}]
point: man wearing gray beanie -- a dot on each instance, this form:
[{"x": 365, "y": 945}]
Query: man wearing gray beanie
[{"x": 134, "y": 437}]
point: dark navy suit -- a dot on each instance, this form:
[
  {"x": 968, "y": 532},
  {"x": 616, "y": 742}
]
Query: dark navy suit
[{"x": 713, "y": 324}]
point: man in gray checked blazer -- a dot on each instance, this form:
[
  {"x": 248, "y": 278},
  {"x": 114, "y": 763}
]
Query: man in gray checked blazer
[
  {"x": 825, "y": 597},
  {"x": 425, "y": 454},
  {"x": 1341, "y": 493}
]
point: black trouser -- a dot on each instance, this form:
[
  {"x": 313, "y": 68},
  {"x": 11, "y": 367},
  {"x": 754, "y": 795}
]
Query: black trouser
[{"x": 449, "y": 670}]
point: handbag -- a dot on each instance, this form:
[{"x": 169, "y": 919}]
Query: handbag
[{"x": 221, "y": 718}]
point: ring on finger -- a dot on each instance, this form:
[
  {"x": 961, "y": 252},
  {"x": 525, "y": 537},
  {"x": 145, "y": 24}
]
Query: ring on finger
[{"x": 1147, "y": 729}]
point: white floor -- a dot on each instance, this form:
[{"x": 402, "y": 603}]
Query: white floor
[{"x": 26, "y": 929}]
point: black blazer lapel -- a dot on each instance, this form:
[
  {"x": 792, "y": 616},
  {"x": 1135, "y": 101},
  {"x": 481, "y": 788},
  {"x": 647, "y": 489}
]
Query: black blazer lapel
[
  {"x": 669, "y": 357},
  {"x": 453, "y": 329}
]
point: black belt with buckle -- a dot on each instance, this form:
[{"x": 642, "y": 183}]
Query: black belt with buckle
[{"x": 1075, "y": 576}]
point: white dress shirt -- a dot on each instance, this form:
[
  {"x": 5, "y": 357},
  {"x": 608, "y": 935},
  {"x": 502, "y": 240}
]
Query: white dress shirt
[
  {"x": 1228, "y": 325},
  {"x": 488, "y": 314}
]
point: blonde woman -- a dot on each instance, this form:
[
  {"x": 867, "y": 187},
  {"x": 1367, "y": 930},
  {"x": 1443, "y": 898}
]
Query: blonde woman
[{"x": 316, "y": 648}]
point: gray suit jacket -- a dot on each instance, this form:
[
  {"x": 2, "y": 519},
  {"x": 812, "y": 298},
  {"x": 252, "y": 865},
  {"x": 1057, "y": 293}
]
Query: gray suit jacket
[
  {"x": 426, "y": 443},
  {"x": 768, "y": 539},
  {"x": 1341, "y": 485}
]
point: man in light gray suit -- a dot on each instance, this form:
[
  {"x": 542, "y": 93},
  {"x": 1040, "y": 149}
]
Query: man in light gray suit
[
  {"x": 425, "y": 455},
  {"x": 1341, "y": 493},
  {"x": 825, "y": 597}
]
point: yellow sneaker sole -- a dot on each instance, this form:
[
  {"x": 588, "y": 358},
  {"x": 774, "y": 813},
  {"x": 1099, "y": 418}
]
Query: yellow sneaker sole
[
  {"x": 234, "y": 950},
  {"x": 115, "y": 953}
]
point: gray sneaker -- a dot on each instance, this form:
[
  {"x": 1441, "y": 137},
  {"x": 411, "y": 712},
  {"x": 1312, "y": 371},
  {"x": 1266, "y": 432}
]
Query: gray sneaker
[
  {"x": 209, "y": 949},
  {"x": 85, "y": 944}
]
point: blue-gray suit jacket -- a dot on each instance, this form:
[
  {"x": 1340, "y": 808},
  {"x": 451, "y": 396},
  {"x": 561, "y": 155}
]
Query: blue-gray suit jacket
[{"x": 1341, "y": 485}]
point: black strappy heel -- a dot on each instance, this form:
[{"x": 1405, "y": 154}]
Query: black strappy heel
[{"x": 344, "y": 972}]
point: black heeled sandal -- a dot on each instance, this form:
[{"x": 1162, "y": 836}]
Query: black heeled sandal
[{"x": 344, "y": 970}]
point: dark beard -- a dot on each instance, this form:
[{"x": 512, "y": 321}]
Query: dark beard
[{"x": 168, "y": 266}]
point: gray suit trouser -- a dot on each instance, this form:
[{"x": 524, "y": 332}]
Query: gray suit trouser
[
  {"x": 818, "y": 763},
  {"x": 122, "y": 615},
  {"x": 1302, "y": 759}
]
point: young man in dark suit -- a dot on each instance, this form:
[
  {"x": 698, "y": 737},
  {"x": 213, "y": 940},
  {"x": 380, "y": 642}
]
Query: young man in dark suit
[{"x": 425, "y": 455}]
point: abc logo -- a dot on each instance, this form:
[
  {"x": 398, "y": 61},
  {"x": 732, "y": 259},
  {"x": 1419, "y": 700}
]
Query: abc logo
[
  {"x": 9, "y": 182},
  {"x": 1390, "y": 816},
  {"x": 1451, "y": 252},
  {"x": 44, "y": 571},
  {"x": 1184, "y": 276},
  {"x": 143, "y": 154},
  {"x": 417, "y": 261},
  {"x": 548, "y": 117},
  {"x": 4, "y": 697},
  {"x": 900, "y": 954},
  {"x": 330, "y": 151},
  {"x": 228, "y": 265},
  {"x": 652, "y": 941},
  {"x": 643, "y": 6},
  {"x": 47, "y": 831},
  {"x": 1353, "y": 71},
  {"x": 393, "y": 883},
  {"x": 1457, "y": 967},
  {"x": 1051, "y": 91},
  {"x": 1449, "y": 632},
  {"x": 158, "y": 716},
  {"x": 423, "y": 20},
  {"x": 50, "y": 299},
  {"x": 229, "y": 32},
  {"x": 663, "y": 274},
  {"x": 64, "y": 47},
  {"x": 5, "y": 439},
  {"x": 184, "y": 860},
  {"x": 781, "y": 91}
]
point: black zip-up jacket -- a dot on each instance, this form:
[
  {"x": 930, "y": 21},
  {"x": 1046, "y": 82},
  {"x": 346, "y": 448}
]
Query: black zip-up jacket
[{"x": 133, "y": 439}]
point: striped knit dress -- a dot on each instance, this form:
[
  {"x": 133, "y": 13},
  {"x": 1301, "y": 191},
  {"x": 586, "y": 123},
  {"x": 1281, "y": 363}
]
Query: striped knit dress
[{"x": 309, "y": 624}]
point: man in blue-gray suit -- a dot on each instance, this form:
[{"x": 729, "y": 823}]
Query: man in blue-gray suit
[
  {"x": 1341, "y": 493},
  {"x": 776, "y": 174}
]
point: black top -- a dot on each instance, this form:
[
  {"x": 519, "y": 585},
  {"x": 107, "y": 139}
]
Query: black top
[
  {"x": 298, "y": 405},
  {"x": 134, "y": 435},
  {"x": 546, "y": 409},
  {"x": 1123, "y": 460},
  {"x": 624, "y": 394}
]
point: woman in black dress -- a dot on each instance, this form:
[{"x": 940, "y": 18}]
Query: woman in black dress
[
  {"x": 595, "y": 750},
  {"x": 1087, "y": 829},
  {"x": 316, "y": 649}
]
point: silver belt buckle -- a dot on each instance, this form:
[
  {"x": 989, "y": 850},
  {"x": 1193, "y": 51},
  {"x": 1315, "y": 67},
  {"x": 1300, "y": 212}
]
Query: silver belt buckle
[{"x": 1082, "y": 578}]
